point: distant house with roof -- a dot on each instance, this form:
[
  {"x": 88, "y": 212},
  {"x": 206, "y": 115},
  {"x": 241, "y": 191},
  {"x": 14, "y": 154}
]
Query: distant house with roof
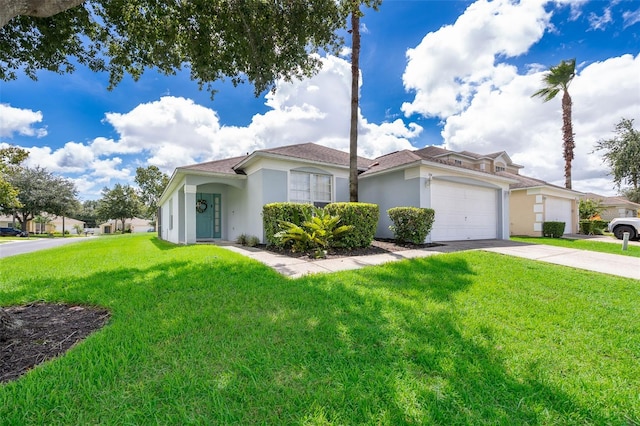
[
  {"x": 532, "y": 201},
  {"x": 48, "y": 224},
  {"x": 133, "y": 225},
  {"x": 613, "y": 207}
]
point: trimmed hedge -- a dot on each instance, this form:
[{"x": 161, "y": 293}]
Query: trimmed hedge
[
  {"x": 599, "y": 226},
  {"x": 586, "y": 227},
  {"x": 273, "y": 213},
  {"x": 411, "y": 224},
  {"x": 362, "y": 216},
  {"x": 553, "y": 229}
]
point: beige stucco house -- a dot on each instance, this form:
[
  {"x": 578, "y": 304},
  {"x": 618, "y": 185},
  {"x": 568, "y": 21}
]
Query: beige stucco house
[
  {"x": 55, "y": 224},
  {"x": 135, "y": 225},
  {"x": 534, "y": 201}
]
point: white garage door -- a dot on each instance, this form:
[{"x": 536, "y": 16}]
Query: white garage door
[
  {"x": 558, "y": 210},
  {"x": 463, "y": 212}
]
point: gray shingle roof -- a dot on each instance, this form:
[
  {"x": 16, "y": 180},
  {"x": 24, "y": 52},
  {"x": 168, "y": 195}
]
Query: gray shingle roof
[
  {"x": 224, "y": 166},
  {"x": 394, "y": 159},
  {"x": 529, "y": 182},
  {"x": 611, "y": 201},
  {"x": 305, "y": 151},
  {"x": 317, "y": 153}
]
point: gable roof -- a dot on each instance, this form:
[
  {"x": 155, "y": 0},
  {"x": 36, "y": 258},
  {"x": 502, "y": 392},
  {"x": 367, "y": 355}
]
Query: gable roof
[
  {"x": 309, "y": 152},
  {"x": 611, "y": 201},
  {"x": 526, "y": 182},
  {"x": 436, "y": 152},
  {"x": 405, "y": 158},
  {"x": 224, "y": 166}
]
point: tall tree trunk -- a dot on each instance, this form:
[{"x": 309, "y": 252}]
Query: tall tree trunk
[
  {"x": 355, "y": 78},
  {"x": 567, "y": 137}
]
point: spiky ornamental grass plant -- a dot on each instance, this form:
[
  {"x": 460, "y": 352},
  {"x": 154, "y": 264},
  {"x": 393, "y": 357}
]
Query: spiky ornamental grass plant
[{"x": 317, "y": 233}]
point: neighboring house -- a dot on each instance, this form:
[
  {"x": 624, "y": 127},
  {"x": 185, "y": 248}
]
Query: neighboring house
[
  {"x": 8, "y": 222},
  {"x": 534, "y": 201},
  {"x": 614, "y": 206},
  {"x": 135, "y": 225},
  {"x": 531, "y": 201},
  {"x": 223, "y": 199},
  {"x": 54, "y": 225}
]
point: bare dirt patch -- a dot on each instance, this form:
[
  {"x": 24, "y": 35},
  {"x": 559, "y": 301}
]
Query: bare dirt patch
[{"x": 43, "y": 331}]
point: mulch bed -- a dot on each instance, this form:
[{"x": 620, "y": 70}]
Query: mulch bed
[
  {"x": 378, "y": 246},
  {"x": 44, "y": 331}
]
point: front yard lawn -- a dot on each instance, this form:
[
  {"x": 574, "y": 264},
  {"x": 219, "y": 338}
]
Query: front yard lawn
[
  {"x": 603, "y": 247},
  {"x": 201, "y": 335}
]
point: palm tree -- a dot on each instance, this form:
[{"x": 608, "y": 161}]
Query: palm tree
[
  {"x": 353, "y": 6},
  {"x": 355, "y": 77},
  {"x": 556, "y": 79}
]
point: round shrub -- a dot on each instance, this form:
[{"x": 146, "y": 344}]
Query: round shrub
[
  {"x": 362, "y": 216},
  {"x": 411, "y": 224}
]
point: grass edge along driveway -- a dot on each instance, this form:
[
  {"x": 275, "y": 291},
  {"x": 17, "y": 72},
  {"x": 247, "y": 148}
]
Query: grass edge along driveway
[
  {"x": 614, "y": 247},
  {"x": 199, "y": 334}
]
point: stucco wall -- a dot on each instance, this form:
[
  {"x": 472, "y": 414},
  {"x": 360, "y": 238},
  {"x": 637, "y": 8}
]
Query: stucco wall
[
  {"x": 522, "y": 215},
  {"x": 342, "y": 189},
  {"x": 387, "y": 191}
]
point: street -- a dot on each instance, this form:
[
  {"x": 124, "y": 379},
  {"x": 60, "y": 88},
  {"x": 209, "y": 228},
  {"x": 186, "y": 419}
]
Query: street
[{"x": 14, "y": 247}]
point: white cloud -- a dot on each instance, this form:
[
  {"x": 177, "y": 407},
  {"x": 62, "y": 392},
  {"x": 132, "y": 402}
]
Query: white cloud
[
  {"x": 600, "y": 22},
  {"x": 176, "y": 131},
  {"x": 71, "y": 158},
  {"x": 631, "y": 18},
  {"x": 507, "y": 118},
  {"x": 21, "y": 121},
  {"x": 449, "y": 65},
  {"x": 460, "y": 74}
]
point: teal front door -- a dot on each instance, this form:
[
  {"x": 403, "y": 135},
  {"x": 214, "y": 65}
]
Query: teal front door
[{"x": 208, "y": 212}]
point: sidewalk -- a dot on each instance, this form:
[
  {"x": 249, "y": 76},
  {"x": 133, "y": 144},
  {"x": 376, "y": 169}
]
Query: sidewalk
[{"x": 624, "y": 266}]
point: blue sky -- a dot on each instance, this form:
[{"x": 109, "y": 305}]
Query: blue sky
[{"x": 457, "y": 74}]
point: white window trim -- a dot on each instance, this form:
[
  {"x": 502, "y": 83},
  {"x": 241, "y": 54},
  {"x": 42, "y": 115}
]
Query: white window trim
[{"x": 313, "y": 194}]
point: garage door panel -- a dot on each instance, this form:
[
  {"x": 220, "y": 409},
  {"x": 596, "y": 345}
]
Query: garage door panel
[
  {"x": 558, "y": 210},
  {"x": 463, "y": 212}
]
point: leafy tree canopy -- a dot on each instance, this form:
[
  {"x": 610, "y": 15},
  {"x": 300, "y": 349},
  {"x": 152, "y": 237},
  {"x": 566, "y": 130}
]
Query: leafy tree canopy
[
  {"x": 10, "y": 159},
  {"x": 41, "y": 191},
  {"x": 622, "y": 154},
  {"x": 87, "y": 212},
  {"x": 120, "y": 203},
  {"x": 245, "y": 40},
  {"x": 589, "y": 208},
  {"x": 151, "y": 182}
]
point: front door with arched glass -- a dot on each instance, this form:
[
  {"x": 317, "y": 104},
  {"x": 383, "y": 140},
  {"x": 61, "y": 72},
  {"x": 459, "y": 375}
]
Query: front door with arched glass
[{"x": 208, "y": 209}]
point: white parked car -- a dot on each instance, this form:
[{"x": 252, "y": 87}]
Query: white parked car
[{"x": 620, "y": 225}]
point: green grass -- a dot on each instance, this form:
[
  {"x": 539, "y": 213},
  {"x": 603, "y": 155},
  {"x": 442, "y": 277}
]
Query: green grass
[
  {"x": 602, "y": 247},
  {"x": 200, "y": 335}
]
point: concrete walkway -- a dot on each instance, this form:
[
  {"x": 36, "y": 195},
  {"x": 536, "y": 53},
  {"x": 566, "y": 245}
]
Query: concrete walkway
[{"x": 624, "y": 266}]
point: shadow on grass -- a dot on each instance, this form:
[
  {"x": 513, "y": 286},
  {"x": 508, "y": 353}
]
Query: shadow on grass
[
  {"x": 221, "y": 339},
  {"x": 163, "y": 245}
]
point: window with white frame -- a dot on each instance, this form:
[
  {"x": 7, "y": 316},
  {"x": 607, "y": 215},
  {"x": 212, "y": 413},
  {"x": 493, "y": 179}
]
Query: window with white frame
[{"x": 311, "y": 188}]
